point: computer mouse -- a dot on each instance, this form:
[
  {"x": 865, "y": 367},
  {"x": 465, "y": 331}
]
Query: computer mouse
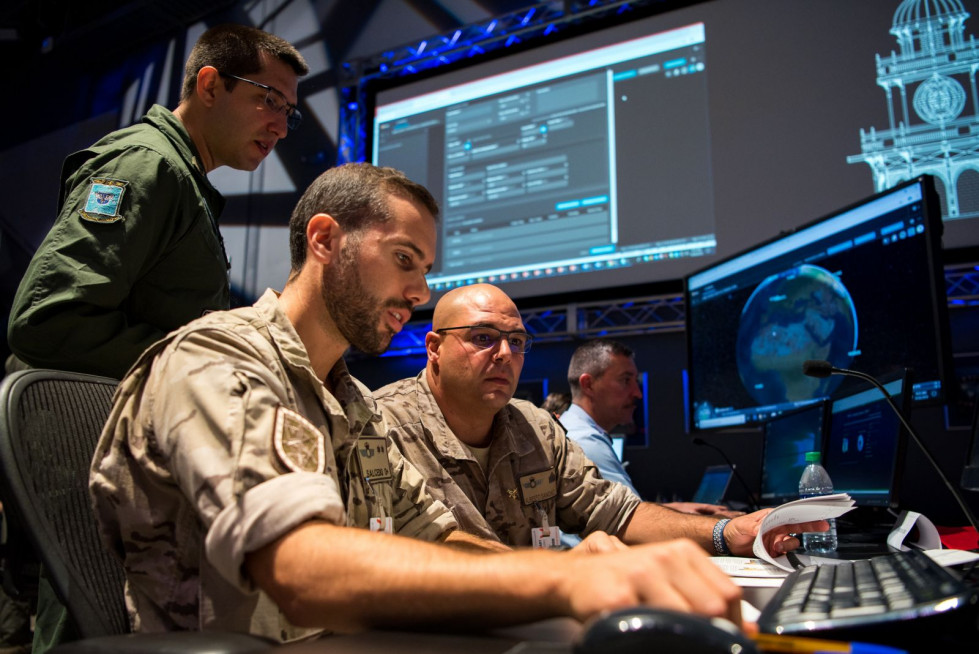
[{"x": 646, "y": 630}]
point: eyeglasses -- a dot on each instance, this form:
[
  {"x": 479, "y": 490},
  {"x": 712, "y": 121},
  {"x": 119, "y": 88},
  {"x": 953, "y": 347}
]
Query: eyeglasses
[
  {"x": 275, "y": 100},
  {"x": 485, "y": 337}
]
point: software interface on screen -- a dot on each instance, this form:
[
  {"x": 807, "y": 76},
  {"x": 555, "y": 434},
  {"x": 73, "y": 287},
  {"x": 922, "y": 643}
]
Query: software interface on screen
[
  {"x": 787, "y": 438},
  {"x": 864, "y": 445},
  {"x": 551, "y": 169},
  {"x": 713, "y": 485},
  {"x": 861, "y": 289}
]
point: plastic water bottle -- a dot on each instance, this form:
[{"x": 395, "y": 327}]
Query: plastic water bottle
[{"x": 815, "y": 481}]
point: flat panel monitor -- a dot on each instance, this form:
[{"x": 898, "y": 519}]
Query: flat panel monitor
[
  {"x": 546, "y": 170},
  {"x": 865, "y": 443},
  {"x": 862, "y": 288},
  {"x": 787, "y": 438},
  {"x": 713, "y": 484},
  {"x": 630, "y": 148}
]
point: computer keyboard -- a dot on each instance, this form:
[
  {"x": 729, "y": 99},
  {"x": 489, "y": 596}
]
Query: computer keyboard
[{"x": 877, "y": 600}]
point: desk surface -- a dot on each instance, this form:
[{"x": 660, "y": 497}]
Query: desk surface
[{"x": 545, "y": 637}]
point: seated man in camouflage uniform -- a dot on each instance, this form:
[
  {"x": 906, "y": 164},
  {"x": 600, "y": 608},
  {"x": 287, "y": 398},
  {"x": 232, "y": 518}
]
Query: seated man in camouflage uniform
[
  {"x": 245, "y": 480},
  {"x": 504, "y": 466}
]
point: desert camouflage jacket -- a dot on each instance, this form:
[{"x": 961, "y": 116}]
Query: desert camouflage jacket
[
  {"x": 535, "y": 473},
  {"x": 220, "y": 441}
]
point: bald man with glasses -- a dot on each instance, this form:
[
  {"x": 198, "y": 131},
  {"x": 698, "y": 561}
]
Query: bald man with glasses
[{"x": 503, "y": 466}]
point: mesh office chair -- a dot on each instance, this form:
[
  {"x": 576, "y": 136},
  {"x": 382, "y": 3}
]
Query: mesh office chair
[{"x": 50, "y": 423}]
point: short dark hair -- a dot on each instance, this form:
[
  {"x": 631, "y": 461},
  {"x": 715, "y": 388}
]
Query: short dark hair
[
  {"x": 556, "y": 403},
  {"x": 593, "y": 357},
  {"x": 355, "y": 195},
  {"x": 237, "y": 50}
]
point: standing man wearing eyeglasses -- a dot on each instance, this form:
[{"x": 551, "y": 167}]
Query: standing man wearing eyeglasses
[
  {"x": 135, "y": 251},
  {"x": 503, "y": 466}
]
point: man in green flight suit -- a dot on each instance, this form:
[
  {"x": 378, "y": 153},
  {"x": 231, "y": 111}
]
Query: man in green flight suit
[{"x": 135, "y": 251}]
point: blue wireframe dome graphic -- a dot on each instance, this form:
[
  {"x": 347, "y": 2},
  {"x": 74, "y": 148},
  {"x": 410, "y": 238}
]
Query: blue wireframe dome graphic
[{"x": 912, "y": 13}]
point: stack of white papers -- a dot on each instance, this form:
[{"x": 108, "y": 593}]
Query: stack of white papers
[{"x": 820, "y": 507}]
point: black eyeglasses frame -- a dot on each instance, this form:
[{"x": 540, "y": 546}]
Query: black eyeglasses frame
[{"x": 293, "y": 116}]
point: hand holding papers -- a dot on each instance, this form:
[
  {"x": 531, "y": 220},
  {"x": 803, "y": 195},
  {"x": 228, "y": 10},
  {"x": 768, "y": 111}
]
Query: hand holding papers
[{"x": 821, "y": 507}]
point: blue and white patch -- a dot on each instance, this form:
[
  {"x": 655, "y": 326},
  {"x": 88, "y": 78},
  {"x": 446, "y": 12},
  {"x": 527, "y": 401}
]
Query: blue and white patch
[{"x": 104, "y": 200}]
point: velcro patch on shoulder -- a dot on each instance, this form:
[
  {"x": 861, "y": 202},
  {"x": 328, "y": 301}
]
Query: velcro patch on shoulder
[
  {"x": 298, "y": 444},
  {"x": 104, "y": 200}
]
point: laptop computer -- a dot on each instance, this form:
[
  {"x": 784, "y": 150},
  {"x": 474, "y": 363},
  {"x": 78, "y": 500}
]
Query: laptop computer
[{"x": 713, "y": 485}]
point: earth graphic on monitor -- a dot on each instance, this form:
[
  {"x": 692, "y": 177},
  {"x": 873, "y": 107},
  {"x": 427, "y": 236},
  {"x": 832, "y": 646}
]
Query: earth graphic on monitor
[{"x": 802, "y": 313}]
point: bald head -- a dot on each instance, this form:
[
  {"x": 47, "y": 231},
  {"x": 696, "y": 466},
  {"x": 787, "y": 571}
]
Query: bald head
[
  {"x": 471, "y": 370},
  {"x": 466, "y": 302}
]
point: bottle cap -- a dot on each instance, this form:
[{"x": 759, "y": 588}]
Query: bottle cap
[{"x": 812, "y": 457}]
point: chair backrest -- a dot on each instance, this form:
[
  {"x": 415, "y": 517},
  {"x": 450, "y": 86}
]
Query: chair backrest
[{"x": 50, "y": 423}]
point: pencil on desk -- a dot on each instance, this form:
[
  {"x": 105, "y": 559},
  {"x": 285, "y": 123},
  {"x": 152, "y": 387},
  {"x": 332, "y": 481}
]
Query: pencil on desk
[{"x": 803, "y": 645}]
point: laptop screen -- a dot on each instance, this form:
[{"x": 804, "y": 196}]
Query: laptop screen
[
  {"x": 713, "y": 484},
  {"x": 787, "y": 438},
  {"x": 864, "y": 450}
]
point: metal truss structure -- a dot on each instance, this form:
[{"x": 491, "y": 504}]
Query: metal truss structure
[
  {"x": 540, "y": 21},
  {"x": 962, "y": 285}
]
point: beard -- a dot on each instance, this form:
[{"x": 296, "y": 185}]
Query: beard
[{"x": 356, "y": 311}]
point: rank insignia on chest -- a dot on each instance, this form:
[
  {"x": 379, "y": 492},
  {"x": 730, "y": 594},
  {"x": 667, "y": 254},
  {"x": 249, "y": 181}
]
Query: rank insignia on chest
[
  {"x": 103, "y": 201},
  {"x": 512, "y": 493},
  {"x": 539, "y": 486},
  {"x": 372, "y": 453},
  {"x": 298, "y": 444}
]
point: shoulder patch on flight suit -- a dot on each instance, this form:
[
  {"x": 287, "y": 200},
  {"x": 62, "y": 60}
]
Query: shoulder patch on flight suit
[
  {"x": 298, "y": 444},
  {"x": 539, "y": 486},
  {"x": 104, "y": 199}
]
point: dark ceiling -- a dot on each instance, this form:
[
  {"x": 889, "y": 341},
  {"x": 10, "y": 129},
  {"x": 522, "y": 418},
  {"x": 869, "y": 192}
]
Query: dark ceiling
[{"x": 85, "y": 32}]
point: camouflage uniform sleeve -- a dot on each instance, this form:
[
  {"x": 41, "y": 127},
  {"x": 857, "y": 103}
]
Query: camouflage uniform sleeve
[
  {"x": 70, "y": 311},
  {"x": 214, "y": 405},
  {"x": 586, "y": 501},
  {"x": 416, "y": 513}
]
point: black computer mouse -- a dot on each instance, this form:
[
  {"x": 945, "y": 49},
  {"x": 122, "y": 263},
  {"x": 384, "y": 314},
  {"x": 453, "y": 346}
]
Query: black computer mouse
[{"x": 644, "y": 630}]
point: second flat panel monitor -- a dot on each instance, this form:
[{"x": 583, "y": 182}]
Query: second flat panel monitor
[
  {"x": 787, "y": 439},
  {"x": 865, "y": 443},
  {"x": 862, "y": 288}
]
